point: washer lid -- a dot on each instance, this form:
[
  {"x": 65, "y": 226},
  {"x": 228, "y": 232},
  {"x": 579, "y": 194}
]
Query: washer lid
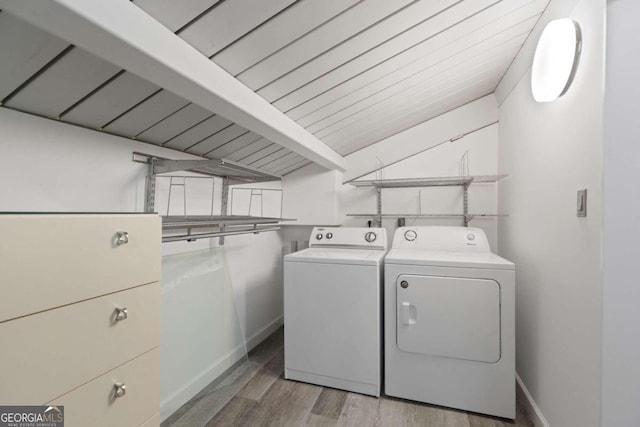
[
  {"x": 338, "y": 256},
  {"x": 486, "y": 260}
]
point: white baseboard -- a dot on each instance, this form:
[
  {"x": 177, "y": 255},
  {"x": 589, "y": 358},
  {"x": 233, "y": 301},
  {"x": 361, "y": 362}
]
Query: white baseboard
[
  {"x": 264, "y": 333},
  {"x": 181, "y": 396},
  {"x": 534, "y": 411},
  {"x": 172, "y": 403}
]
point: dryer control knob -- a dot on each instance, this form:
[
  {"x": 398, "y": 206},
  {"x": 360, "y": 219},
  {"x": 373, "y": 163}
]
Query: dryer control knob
[
  {"x": 370, "y": 237},
  {"x": 329, "y": 236},
  {"x": 319, "y": 236},
  {"x": 410, "y": 235}
]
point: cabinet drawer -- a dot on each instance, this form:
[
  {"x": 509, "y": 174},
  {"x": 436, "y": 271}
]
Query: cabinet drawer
[
  {"x": 94, "y": 404},
  {"x": 47, "y": 354},
  {"x": 152, "y": 422},
  {"x": 52, "y": 260}
]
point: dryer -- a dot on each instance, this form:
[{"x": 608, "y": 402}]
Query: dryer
[
  {"x": 450, "y": 321},
  {"x": 333, "y": 309}
]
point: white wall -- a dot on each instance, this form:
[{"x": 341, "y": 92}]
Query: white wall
[
  {"x": 51, "y": 166},
  {"x": 621, "y": 372},
  {"x": 310, "y": 196},
  {"x": 460, "y": 121},
  {"x": 550, "y": 151},
  {"x": 316, "y": 197}
]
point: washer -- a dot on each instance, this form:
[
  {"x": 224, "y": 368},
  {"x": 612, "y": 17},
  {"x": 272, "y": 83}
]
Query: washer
[
  {"x": 449, "y": 321},
  {"x": 333, "y": 309}
]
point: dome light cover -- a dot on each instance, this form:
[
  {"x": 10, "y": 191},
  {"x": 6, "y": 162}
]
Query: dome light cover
[{"x": 556, "y": 60}]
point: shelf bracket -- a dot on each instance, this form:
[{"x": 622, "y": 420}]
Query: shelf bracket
[
  {"x": 224, "y": 209},
  {"x": 150, "y": 189},
  {"x": 465, "y": 204},
  {"x": 237, "y": 172}
]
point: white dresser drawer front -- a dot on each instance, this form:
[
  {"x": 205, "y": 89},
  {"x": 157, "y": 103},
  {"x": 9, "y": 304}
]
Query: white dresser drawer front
[
  {"x": 52, "y": 260},
  {"x": 47, "y": 354},
  {"x": 94, "y": 404},
  {"x": 152, "y": 422}
]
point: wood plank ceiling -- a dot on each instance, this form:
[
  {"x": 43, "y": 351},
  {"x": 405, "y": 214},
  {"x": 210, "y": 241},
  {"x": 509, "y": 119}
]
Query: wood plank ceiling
[{"x": 350, "y": 72}]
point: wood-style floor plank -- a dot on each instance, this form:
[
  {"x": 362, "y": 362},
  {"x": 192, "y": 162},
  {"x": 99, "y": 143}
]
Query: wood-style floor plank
[
  {"x": 199, "y": 410},
  {"x": 264, "y": 379},
  {"x": 234, "y": 413},
  {"x": 400, "y": 413},
  {"x": 359, "y": 411},
  {"x": 265, "y": 351},
  {"x": 314, "y": 420},
  {"x": 286, "y": 403},
  {"x": 329, "y": 403},
  {"x": 206, "y": 404},
  {"x": 263, "y": 398}
]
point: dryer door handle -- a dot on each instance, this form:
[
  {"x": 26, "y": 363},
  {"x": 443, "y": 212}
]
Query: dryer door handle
[{"x": 408, "y": 313}]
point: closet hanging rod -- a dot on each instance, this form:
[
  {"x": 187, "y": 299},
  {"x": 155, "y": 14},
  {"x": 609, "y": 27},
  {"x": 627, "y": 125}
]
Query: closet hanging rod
[
  {"x": 174, "y": 222},
  {"x": 194, "y": 237}
]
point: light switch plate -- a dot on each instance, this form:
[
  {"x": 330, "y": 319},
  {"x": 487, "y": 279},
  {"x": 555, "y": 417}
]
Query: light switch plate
[{"x": 582, "y": 203}]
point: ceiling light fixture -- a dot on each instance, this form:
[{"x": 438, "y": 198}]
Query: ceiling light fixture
[{"x": 556, "y": 60}]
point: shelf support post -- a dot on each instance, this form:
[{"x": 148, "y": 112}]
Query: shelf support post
[
  {"x": 379, "y": 206},
  {"x": 465, "y": 204},
  {"x": 224, "y": 209},
  {"x": 150, "y": 189}
]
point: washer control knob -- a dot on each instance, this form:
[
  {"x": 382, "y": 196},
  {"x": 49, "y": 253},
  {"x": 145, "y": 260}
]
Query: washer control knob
[
  {"x": 329, "y": 236},
  {"x": 410, "y": 235},
  {"x": 471, "y": 236},
  {"x": 370, "y": 237},
  {"x": 319, "y": 236}
]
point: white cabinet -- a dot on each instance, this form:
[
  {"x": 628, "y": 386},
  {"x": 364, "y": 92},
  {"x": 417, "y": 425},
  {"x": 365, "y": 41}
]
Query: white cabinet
[
  {"x": 80, "y": 313},
  {"x": 95, "y": 403},
  {"x": 52, "y": 260}
]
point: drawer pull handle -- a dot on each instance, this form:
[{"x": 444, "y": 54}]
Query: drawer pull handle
[
  {"x": 122, "y": 238},
  {"x": 121, "y": 314},
  {"x": 119, "y": 390}
]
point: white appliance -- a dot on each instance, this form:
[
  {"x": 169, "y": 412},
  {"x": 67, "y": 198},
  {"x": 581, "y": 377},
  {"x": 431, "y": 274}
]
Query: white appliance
[
  {"x": 449, "y": 321},
  {"x": 333, "y": 309}
]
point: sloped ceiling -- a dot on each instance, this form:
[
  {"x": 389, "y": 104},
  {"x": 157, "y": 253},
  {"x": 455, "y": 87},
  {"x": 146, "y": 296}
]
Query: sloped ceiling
[{"x": 351, "y": 72}]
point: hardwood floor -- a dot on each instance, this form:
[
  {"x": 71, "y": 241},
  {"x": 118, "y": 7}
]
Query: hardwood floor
[{"x": 255, "y": 393}]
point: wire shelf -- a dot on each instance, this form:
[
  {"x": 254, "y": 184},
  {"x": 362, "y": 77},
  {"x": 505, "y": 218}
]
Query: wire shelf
[
  {"x": 193, "y": 227},
  {"x": 452, "y": 181},
  {"x": 405, "y": 215},
  {"x": 221, "y": 168}
]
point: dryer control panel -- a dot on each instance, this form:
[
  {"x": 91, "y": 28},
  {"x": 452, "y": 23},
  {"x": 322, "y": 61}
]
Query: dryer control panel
[
  {"x": 459, "y": 239},
  {"x": 349, "y": 237}
]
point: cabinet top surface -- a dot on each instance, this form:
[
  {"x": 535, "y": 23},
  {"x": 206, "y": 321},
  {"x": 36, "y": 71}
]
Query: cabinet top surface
[{"x": 73, "y": 213}]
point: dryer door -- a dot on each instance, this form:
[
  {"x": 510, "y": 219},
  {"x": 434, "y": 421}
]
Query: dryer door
[{"x": 449, "y": 317}]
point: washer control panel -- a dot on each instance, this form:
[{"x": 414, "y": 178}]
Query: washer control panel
[{"x": 349, "y": 237}]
